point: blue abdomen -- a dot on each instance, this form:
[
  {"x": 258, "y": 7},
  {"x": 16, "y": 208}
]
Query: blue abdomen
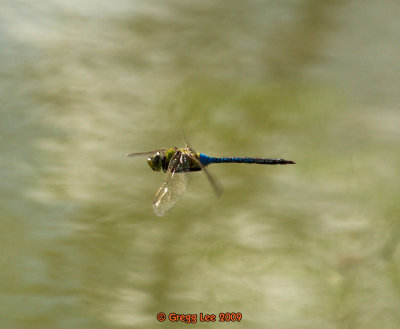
[{"x": 206, "y": 160}]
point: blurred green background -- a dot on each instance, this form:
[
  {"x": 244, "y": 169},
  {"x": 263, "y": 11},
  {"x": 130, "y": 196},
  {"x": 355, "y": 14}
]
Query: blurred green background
[{"x": 315, "y": 245}]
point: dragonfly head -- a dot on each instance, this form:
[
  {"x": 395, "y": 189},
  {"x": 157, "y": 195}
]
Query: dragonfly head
[{"x": 155, "y": 162}]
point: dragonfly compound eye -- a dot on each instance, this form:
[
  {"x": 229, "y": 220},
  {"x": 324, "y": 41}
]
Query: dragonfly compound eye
[{"x": 155, "y": 162}]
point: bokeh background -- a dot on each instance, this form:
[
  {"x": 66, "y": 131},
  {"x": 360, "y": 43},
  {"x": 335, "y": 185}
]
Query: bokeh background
[{"x": 315, "y": 245}]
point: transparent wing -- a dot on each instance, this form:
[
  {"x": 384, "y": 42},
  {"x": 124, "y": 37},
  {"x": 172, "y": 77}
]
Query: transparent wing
[
  {"x": 217, "y": 187},
  {"x": 174, "y": 185},
  {"x": 144, "y": 153}
]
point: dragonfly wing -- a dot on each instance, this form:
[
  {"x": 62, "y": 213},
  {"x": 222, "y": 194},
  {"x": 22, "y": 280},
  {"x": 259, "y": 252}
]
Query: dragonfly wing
[
  {"x": 174, "y": 185},
  {"x": 144, "y": 153},
  {"x": 217, "y": 187}
]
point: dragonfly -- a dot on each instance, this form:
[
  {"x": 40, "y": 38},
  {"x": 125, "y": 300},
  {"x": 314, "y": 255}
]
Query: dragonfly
[{"x": 177, "y": 162}]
